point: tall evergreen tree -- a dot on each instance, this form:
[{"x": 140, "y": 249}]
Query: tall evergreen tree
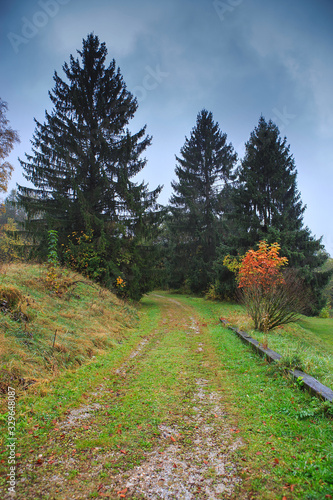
[
  {"x": 204, "y": 166},
  {"x": 268, "y": 203},
  {"x": 84, "y": 158}
]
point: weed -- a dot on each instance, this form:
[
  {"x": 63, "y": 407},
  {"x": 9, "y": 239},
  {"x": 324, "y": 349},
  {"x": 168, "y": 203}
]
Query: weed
[
  {"x": 287, "y": 363},
  {"x": 316, "y": 408}
]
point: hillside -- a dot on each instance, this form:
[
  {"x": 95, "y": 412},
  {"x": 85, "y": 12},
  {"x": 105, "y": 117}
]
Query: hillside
[{"x": 48, "y": 327}]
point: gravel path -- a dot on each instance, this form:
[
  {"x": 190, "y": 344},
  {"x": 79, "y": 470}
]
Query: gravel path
[{"x": 191, "y": 457}]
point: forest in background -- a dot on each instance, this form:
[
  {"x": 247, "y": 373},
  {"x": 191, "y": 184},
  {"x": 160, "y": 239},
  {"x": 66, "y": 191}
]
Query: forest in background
[{"x": 111, "y": 228}]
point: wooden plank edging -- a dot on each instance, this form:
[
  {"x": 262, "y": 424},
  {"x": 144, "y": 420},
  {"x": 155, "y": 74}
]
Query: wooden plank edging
[{"x": 310, "y": 383}]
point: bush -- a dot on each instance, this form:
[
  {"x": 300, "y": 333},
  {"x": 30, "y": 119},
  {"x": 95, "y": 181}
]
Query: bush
[
  {"x": 281, "y": 303},
  {"x": 272, "y": 297},
  {"x": 326, "y": 311},
  {"x": 213, "y": 291}
]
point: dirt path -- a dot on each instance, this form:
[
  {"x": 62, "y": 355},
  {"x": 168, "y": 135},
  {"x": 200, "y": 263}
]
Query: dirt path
[{"x": 175, "y": 440}]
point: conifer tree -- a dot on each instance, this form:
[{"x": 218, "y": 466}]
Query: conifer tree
[
  {"x": 268, "y": 205},
  {"x": 84, "y": 158},
  {"x": 203, "y": 167}
]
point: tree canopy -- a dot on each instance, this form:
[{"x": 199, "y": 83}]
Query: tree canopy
[
  {"x": 203, "y": 168},
  {"x": 83, "y": 161}
]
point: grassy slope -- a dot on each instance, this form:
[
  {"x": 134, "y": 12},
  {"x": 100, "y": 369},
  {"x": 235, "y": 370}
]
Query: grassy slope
[
  {"x": 62, "y": 332},
  {"x": 320, "y": 327}
]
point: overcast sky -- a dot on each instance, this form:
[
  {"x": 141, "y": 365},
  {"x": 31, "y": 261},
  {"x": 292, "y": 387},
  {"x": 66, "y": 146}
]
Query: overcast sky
[{"x": 236, "y": 58}]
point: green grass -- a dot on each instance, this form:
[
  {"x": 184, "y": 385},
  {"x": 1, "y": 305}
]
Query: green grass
[
  {"x": 322, "y": 328},
  {"x": 309, "y": 339},
  {"x": 287, "y": 439},
  {"x": 289, "y": 448}
]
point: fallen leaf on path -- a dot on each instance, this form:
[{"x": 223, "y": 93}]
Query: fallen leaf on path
[{"x": 122, "y": 493}]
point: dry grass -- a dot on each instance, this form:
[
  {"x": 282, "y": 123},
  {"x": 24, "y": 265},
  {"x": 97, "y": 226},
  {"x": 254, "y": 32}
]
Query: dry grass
[{"x": 43, "y": 332}]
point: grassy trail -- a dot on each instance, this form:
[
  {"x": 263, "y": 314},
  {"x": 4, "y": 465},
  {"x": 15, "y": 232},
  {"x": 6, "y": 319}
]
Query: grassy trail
[{"x": 181, "y": 411}]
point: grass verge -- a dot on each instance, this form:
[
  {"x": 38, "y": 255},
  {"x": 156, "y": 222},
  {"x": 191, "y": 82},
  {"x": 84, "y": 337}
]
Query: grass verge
[{"x": 306, "y": 345}]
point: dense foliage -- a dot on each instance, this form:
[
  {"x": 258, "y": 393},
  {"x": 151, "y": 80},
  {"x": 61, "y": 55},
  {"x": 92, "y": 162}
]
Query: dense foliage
[
  {"x": 260, "y": 202},
  {"x": 268, "y": 206},
  {"x": 111, "y": 228},
  {"x": 83, "y": 160},
  {"x": 195, "y": 222}
]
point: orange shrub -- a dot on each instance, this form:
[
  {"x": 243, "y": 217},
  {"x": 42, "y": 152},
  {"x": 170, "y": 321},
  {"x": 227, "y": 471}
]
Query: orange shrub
[{"x": 261, "y": 268}]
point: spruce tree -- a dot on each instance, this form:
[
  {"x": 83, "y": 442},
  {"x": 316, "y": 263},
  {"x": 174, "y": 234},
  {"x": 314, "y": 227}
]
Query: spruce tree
[
  {"x": 268, "y": 205},
  {"x": 83, "y": 160},
  {"x": 203, "y": 167}
]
